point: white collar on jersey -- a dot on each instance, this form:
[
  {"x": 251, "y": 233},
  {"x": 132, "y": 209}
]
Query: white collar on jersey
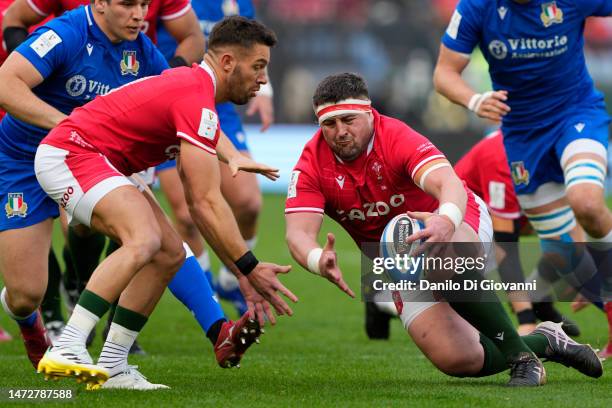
[
  {"x": 370, "y": 147},
  {"x": 87, "y": 11},
  {"x": 208, "y": 69}
]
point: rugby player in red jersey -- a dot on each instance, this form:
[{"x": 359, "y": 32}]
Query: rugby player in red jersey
[
  {"x": 84, "y": 165},
  {"x": 362, "y": 169}
]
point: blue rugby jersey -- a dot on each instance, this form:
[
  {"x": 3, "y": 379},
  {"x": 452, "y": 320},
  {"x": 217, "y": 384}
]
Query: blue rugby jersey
[
  {"x": 534, "y": 51},
  {"x": 209, "y": 12},
  {"x": 78, "y": 62}
]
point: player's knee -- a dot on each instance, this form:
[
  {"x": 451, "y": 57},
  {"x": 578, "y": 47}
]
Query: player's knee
[
  {"x": 589, "y": 211},
  {"x": 25, "y": 300},
  {"x": 143, "y": 247},
  {"x": 247, "y": 209}
]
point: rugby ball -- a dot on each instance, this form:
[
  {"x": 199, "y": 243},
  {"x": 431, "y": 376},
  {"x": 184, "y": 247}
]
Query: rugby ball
[{"x": 393, "y": 242}]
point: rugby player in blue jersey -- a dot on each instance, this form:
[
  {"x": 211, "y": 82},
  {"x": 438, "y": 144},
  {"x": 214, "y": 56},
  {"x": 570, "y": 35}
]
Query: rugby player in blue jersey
[
  {"x": 554, "y": 121},
  {"x": 64, "y": 64},
  {"x": 242, "y": 191}
]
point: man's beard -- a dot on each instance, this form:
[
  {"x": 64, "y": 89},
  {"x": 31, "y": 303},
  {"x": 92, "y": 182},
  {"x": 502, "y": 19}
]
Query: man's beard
[
  {"x": 236, "y": 85},
  {"x": 348, "y": 152}
]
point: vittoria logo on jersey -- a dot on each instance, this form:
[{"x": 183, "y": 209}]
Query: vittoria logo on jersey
[
  {"x": 16, "y": 206},
  {"x": 520, "y": 175},
  {"x": 551, "y": 14},
  {"x": 129, "y": 63}
]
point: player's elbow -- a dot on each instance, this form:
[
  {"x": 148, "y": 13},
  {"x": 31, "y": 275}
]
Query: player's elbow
[{"x": 438, "y": 79}]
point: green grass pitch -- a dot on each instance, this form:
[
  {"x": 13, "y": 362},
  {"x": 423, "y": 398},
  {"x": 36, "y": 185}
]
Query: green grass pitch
[{"x": 318, "y": 357}]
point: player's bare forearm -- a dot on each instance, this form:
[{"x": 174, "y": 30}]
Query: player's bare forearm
[
  {"x": 190, "y": 39},
  {"x": 301, "y": 235},
  {"x": 447, "y": 77},
  {"x": 18, "y": 77},
  {"x": 446, "y": 187},
  {"x": 200, "y": 174},
  {"x": 215, "y": 220},
  {"x": 226, "y": 151}
]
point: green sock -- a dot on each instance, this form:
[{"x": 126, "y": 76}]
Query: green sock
[
  {"x": 495, "y": 361},
  {"x": 487, "y": 315},
  {"x": 129, "y": 319},
  {"x": 51, "y": 305},
  {"x": 94, "y": 303},
  {"x": 85, "y": 253},
  {"x": 538, "y": 343}
]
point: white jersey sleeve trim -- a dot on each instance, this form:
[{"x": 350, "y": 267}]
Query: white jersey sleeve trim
[
  {"x": 429, "y": 170},
  {"x": 178, "y": 14},
  {"x": 195, "y": 142},
  {"x": 36, "y": 9},
  {"x": 304, "y": 209},
  {"x": 425, "y": 161}
]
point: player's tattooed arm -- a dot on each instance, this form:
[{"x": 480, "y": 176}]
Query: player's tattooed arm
[
  {"x": 449, "y": 83},
  {"x": 302, "y": 231},
  {"x": 18, "y": 77},
  {"x": 190, "y": 39}
]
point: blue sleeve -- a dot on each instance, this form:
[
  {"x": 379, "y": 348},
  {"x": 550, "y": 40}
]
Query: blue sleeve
[
  {"x": 51, "y": 46},
  {"x": 463, "y": 32},
  {"x": 157, "y": 62},
  {"x": 599, "y": 8}
]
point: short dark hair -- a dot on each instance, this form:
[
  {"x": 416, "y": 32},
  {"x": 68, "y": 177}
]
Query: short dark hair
[
  {"x": 338, "y": 87},
  {"x": 241, "y": 31}
]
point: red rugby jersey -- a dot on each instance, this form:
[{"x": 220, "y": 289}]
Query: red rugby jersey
[
  {"x": 141, "y": 124},
  {"x": 365, "y": 194}
]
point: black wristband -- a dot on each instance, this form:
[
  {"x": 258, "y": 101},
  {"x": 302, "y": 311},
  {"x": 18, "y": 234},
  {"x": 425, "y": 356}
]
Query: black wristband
[
  {"x": 246, "y": 263},
  {"x": 177, "y": 61},
  {"x": 526, "y": 317},
  {"x": 13, "y": 36}
]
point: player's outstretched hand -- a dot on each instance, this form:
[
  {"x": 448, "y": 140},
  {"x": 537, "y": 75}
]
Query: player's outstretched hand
[
  {"x": 244, "y": 163},
  {"x": 328, "y": 265},
  {"x": 259, "y": 308},
  {"x": 262, "y": 104},
  {"x": 492, "y": 105},
  {"x": 264, "y": 280}
]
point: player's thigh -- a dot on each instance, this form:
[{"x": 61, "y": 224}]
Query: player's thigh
[
  {"x": 94, "y": 193},
  {"x": 24, "y": 255},
  {"x": 172, "y": 247},
  {"x": 446, "y": 339},
  {"x": 172, "y": 187},
  {"x": 242, "y": 192}
]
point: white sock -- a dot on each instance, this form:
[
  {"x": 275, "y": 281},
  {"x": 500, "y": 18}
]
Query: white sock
[
  {"x": 601, "y": 244},
  {"x": 204, "y": 260},
  {"x": 116, "y": 348},
  {"x": 80, "y": 324},
  {"x": 227, "y": 280}
]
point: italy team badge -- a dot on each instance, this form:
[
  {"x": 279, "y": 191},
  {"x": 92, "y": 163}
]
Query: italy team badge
[
  {"x": 15, "y": 206},
  {"x": 129, "y": 63},
  {"x": 520, "y": 175},
  {"x": 551, "y": 14}
]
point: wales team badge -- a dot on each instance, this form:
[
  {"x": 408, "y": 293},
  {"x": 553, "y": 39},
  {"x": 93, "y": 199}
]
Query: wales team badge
[
  {"x": 129, "y": 63},
  {"x": 15, "y": 206},
  {"x": 520, "y": 175},
  {"x": 551, "y": 14}
]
